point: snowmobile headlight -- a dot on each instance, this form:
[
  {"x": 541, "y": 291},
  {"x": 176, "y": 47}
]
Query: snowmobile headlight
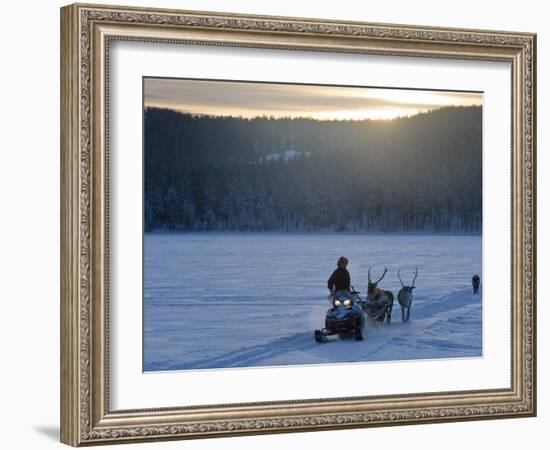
[
  {"x": 337, "y": 302},
  {"x": 347, "y": 302}
]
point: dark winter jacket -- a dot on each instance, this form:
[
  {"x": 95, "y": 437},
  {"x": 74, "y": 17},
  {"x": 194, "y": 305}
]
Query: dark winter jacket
[{"x": 339, "y": 279}]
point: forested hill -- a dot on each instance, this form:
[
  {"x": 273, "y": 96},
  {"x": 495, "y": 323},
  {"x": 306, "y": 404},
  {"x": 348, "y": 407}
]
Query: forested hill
[{"x": 421, "y": 173}]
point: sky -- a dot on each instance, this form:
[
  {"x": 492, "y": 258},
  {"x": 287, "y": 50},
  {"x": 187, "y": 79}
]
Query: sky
[{"x": 249, "y": 99}]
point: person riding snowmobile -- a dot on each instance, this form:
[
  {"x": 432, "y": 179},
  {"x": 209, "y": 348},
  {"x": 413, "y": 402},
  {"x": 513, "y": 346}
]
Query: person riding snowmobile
[{"x": 339, "y": 281}]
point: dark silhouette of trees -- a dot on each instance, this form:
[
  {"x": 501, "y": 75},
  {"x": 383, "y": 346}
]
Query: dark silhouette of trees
[{"x": 421, "y": 173}]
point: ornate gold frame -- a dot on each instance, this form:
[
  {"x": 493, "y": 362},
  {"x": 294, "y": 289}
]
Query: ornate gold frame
[{"x": 86, "y": 31}]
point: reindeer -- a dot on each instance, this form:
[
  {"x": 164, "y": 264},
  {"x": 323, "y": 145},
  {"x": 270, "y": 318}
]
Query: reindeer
[
  {"x": 379, "y": 302},
  {"x": 405, "y": 296}
]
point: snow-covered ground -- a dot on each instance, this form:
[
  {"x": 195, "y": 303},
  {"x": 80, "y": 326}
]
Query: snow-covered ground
[
  {"x": 284, "y": 156},
  {"x": 215, "y": 300}
]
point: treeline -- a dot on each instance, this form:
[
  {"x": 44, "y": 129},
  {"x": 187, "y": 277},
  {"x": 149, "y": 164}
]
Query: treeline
[{"x": 421, "y": 173}]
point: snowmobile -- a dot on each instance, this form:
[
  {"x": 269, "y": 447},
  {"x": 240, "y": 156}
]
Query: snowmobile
[{"x": 345, "y": 318}]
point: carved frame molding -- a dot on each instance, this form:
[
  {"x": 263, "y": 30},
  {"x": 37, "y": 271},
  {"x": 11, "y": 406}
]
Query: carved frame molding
[{"x": 86, "y": 32}]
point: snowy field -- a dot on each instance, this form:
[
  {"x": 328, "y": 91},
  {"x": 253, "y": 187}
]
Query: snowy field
[{"x": 214, "y": 300}]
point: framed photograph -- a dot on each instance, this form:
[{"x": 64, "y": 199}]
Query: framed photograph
[{"x": 276, "y": 224}]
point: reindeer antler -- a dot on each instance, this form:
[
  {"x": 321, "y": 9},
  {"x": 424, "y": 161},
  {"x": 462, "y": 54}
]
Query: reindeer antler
[
  {"x": 380, "y": 279},
  {"x": 400, "y": 278},
  {"x": 415, "y": 275}
]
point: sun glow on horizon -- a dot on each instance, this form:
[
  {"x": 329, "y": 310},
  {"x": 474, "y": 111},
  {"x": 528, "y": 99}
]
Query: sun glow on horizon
[{"x": 250, "y": 100}]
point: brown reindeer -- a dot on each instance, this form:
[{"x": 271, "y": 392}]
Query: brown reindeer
[{"x": 379, "y": 302}]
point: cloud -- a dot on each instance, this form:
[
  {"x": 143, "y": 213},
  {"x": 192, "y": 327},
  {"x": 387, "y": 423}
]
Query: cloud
[{"x": 251, "y": 99}]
